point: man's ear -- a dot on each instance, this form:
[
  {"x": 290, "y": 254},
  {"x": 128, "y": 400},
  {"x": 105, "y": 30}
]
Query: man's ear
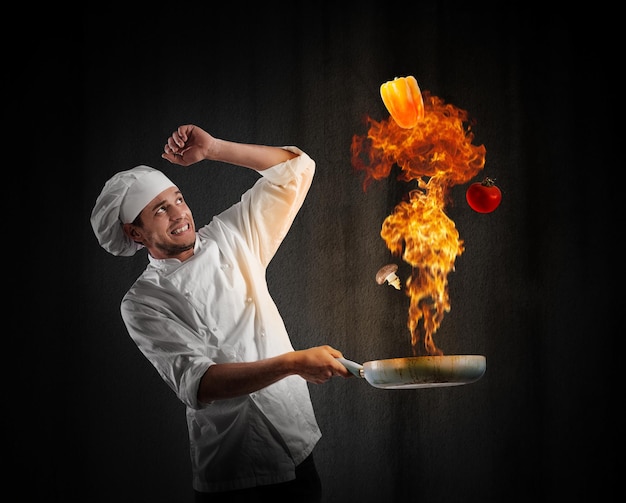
[{"x": 131, "y": 231}]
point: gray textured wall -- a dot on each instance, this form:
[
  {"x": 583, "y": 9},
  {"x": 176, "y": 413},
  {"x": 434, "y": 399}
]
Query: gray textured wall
[{"x": 529, "y": 292}]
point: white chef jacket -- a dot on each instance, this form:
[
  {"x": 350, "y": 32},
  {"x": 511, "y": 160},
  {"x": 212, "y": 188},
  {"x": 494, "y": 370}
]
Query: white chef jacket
[{"x": 215, "y": 308}]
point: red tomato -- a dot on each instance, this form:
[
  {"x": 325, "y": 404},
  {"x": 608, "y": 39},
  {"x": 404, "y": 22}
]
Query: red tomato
[{"x": 483, "y": 197}]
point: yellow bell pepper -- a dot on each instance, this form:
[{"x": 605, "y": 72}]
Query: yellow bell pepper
[{"x": 403, "y": 99}]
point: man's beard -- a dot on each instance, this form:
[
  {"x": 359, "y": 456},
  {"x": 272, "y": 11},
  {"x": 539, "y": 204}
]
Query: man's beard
[{"x": 173, "y": 250}]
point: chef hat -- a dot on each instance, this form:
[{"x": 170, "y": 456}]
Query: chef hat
[{"x": 123, "y": 197}]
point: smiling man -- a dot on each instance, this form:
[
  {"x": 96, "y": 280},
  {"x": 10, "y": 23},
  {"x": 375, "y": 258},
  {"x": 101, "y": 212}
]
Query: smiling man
[
  {"x": 165, "y": 226},
  {"x": 202, "y": 314}
]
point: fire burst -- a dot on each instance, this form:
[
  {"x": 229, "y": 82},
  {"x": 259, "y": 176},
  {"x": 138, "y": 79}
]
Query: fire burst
[{"x": 437, "y": 153}]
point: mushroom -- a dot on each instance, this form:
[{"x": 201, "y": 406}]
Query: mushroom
[{"x": 388, "y": 273}]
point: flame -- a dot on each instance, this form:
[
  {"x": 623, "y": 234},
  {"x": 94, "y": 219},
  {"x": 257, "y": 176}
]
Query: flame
[{"x": 437, "y": 153}]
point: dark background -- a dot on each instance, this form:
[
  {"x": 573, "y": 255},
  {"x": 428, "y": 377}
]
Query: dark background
[{"x": 531, "y": 292}]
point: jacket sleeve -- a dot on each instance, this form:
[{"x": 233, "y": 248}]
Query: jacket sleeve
[{"x": 267, "y": 210}]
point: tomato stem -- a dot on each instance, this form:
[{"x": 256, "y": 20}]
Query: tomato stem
[{"x": 488, "y": 182}]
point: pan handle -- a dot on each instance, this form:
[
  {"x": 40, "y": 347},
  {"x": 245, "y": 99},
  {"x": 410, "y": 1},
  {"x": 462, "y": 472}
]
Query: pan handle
[{"x": 354, "y": 367}]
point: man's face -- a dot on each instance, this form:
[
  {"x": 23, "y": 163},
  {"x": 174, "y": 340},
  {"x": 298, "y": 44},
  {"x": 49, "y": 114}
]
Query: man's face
[{"x": 167, "y": 228}]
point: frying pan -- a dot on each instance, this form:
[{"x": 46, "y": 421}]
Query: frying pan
[{"x": 419, "y": 371}]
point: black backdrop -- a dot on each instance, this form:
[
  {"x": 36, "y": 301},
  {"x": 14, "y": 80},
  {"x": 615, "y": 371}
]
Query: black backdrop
[{"x": 530, "y": 292}]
